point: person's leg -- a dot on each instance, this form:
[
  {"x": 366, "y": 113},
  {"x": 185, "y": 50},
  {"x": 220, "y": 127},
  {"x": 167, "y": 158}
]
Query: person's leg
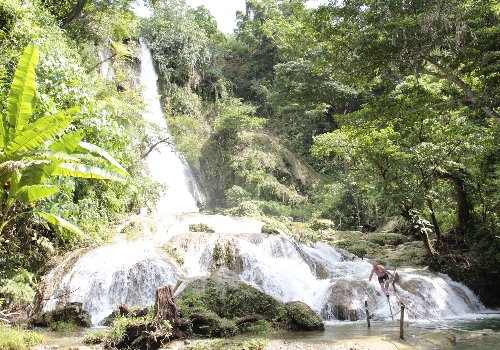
[
  {"x": 386, "y": 287},
  {"x": 382, "y": 285}
]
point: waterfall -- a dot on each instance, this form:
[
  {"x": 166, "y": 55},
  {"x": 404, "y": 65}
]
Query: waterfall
[
  {"x": 335, "y": 286},
  {"x": 319, "y": 275},
  {"x": 183, "y": 192}
]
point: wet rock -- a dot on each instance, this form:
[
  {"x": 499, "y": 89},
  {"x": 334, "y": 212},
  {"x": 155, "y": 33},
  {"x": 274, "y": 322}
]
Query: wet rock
[
  {"x": 344, "y": 313},
  {"x": 71, "y": 313},
  {"x": 343, "y": 297},
  {"x": 304, "y": 317},
  {"x": 227, "y": 296},
  {"x": 221, "y": 305}
]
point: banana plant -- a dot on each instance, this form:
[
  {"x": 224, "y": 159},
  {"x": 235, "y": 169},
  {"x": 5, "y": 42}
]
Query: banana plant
[{"x": 31, "y": 151}]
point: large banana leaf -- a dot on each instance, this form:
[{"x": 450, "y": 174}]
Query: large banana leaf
[
  {"x": 49, "y": 156},
  {"x": 58, "y": 221},
  {"x": 37, "y": 172},
  {"x": 86, "y": 171},
  {"x": 31, "y": 194},
  {"x": 22, "y": 91},
  {"x": 94, "y": 149},
  {"x": 68, "y": 142},
  {"x": 37, "y": 134}
]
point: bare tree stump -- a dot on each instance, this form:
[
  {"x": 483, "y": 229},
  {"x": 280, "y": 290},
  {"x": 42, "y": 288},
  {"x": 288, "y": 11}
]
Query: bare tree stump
[{"x": 165, "y": 308}]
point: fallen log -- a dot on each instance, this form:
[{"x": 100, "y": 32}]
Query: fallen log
[{"x": 247, "y": 319}]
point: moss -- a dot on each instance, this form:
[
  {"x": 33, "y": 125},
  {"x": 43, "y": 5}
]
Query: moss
[
  {"x": 200, "y": 228},
  {"x": 270, "y": 229},
  {"x": 228, "y": 298},
  {"x": 259, "y": 327},
  {"x": 63, "y": 326},
  {"x": 132, "y": 230},
  {"x": 173, "y": 253},
  {"x": 304, "y": 317},
  {"x": 384, "y": 239},
  {"x": 322, "y": 224},
  {"x": 392, "y": 248}
]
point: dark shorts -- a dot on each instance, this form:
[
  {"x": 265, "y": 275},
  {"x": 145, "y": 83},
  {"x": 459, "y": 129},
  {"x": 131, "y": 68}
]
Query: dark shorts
[{"x": 384, "y": 278}]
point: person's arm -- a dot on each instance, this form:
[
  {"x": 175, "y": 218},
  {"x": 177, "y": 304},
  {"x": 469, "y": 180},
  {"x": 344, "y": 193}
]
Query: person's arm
[{"x": 370, "y": 278}]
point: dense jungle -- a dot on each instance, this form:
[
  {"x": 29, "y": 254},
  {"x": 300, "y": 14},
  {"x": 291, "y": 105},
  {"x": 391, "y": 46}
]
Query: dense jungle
[{"x": 358, "y": 123}]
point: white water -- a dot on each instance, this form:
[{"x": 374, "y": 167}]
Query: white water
[
  {"x": 130, "y": 272},
  {"x": 164, "y": 163}
]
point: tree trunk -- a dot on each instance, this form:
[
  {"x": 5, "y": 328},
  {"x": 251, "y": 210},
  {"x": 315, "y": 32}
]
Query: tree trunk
[
  {"x": 434, "y": 220},
  {"x": 74, "y": 13},
  {"x": 464, "y": 207},
  {"x": 165, "y": 308},
  {"x": 418, "y": 226}
]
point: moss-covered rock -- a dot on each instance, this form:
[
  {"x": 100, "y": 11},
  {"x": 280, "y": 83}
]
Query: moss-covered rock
[
  {"x": 270, "y": 229},
  {"x": 322, "y": 224},
  {"x": 227, "y": 296},
  {"x": 69, "y": 313},
  {"x": 386, "y": 238},
  {"x": 304, "y": 317}
]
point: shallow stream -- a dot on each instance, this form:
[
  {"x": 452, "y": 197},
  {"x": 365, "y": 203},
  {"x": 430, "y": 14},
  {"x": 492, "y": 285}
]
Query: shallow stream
[{"x": 479, "y": 333}]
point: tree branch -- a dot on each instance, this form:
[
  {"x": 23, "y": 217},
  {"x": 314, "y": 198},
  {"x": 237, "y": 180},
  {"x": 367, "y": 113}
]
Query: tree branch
[
  {"x": 166, "y": 140},
  {"x": 74, "y": 13},
  {"x": 100, "y": 63},
  {"x": 462, "y": 85}
]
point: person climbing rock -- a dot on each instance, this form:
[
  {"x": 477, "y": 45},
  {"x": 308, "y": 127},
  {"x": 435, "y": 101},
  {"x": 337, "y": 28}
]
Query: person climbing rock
[{"x": 383, "y": 277}]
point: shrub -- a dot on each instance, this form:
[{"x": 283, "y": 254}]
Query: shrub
[
  {"x": 386, "y": 238},
  {"x": 12, "y": 338},
  {"x": 18, "y": 290}
]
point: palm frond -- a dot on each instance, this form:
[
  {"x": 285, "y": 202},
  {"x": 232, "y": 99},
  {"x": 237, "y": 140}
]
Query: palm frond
[
  {"x": 31, "y": 194},
  {"x": 68, "y": 142}
]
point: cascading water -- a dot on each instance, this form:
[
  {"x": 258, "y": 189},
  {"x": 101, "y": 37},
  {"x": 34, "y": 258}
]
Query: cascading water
[
  {"x": 334, "y": 285},
  {"x": 183, "y": 193}
]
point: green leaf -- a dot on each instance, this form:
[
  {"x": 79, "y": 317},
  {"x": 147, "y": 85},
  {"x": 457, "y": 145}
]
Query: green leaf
[
  {"x": 88, "y": 147},
  {"x": 31, "y": 194},
  {"x": 38, "y": 133},
  {"x": 37, "y": 172},
  {"x": 86, "y": 171},
  {"x": 22, "y": 91},
  {"x": 15, "y": 179},
  {"x": 68, "y": 142},
  {"x": 58, "y": 221}
]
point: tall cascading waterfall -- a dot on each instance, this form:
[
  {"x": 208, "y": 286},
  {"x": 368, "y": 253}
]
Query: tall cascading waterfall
[{"x": 331, "y": 282}]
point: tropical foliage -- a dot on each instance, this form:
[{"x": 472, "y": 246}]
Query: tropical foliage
[{"x": 33, "y": 151}]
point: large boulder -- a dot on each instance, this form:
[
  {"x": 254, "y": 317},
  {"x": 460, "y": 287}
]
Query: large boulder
[
  {"x": 71, "y": 313},
  {"x": 222, "y": 304},
  {"x": 343, "y": 302},
  {"x": 228, "y": 297},
  {"x": 303, "y": 317}
]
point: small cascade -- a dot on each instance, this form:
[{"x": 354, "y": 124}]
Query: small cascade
[
  {"x": 333, "y": 284},
  {"x": 319, "y": 275},
  {"x": 121, "y": 273}
]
